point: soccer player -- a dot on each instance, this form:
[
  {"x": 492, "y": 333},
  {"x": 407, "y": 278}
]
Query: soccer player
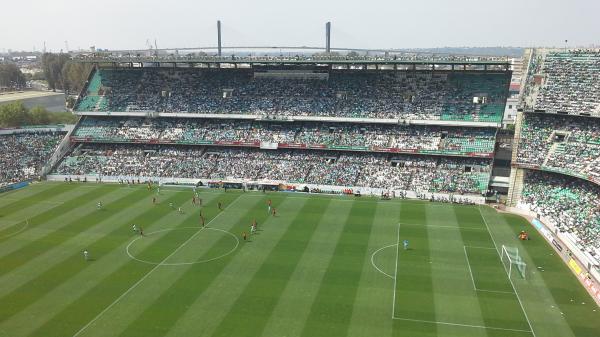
[
  {"x": 405, "y": 242},
  {"x": 154, "y": 200},
  {"x": 252, "y": 229},
  {"x": 220, "y": 206},
  {"x": 141, "y": 231},
  {"x": 86, "y": 254},
  {"x": 134, "y": 227},
  {"x": 179, "y": 210},
  {"x": 244, "y": 235},
  {"x": 99, "y": 205},
  {"x": 274, "y": 211}
]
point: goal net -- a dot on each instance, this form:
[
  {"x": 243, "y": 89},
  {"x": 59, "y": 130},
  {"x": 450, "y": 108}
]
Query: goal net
[{"x": 512, "y": 261}]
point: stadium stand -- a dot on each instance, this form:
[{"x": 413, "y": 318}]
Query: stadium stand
[
  {"x": 22, "y": 155},
  {"x": 404, "y": 95},
  {"x": 415, "y": 173},
  {"x": 571, "y": 82},
  {"x": 569, "y": 144},
  {"x": 559, "y": 144},
  {"x": 414, "y": 138},
  {"x": 573, "y": 204}
]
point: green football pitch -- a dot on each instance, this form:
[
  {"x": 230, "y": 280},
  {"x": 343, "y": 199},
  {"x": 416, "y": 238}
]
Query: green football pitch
[{"x": 323, "y": 266}]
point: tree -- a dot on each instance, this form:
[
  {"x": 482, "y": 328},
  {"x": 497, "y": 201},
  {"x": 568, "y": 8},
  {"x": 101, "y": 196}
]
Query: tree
[
  {"x": 62, "y": 118},
  {"x": 11, "y": 76},
  {"x": 64, "y": 74},
  {"x": 14, "y": 114},
  {"x": 53, "y": 64},
  {"x": 39, "y": 116}
]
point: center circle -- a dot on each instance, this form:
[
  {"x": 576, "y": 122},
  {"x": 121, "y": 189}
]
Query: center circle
[{"x": 218, "y": 248}]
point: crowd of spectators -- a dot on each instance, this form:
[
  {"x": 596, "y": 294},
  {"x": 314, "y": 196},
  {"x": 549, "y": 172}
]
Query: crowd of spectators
[
  {"x": 570, "y": 144},
  {"x": 438, "y": 139},
  {"x": 572, "y": 203},
  {"x": 418, "y": 173},
  {"x": 571, "y": 82},
  {"x": 374, "y": 94},
  {"x": 22, "y": 155}
]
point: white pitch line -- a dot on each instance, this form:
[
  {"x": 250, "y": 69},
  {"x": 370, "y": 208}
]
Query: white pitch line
[
  {"x": 476, "y": 247},
  {"x": 446, "y": 227},
  {"x": 150, "y": 272},
  {"x": 458, "y": 324},
  {"x": 396, "y": 272},
  {"x": 496, "y": 291},
  {"x": 509, "y": 279},
  {"x": 373, "y": 262},
  {"x": 470, "y": 271},
  {"x": 184, "y": 263}
]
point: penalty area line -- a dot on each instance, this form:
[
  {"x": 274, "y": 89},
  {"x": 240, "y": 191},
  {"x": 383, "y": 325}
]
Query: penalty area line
[
  {"x": 463, "y": 325},
  {"x": 150, "y": 272}
]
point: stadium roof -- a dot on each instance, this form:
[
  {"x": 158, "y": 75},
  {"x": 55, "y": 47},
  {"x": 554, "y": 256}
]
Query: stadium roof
[{"x": 445, "y": 61}]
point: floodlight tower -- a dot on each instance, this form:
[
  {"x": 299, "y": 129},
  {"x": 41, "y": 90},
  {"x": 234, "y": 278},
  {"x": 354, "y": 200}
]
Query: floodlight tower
[
  {"x": 328, "y": 37},
  {"x": 219, "y": 36}
]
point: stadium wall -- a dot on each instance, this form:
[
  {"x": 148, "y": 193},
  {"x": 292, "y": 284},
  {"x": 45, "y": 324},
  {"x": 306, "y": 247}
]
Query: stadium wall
[{"x": 289, "y": 186}]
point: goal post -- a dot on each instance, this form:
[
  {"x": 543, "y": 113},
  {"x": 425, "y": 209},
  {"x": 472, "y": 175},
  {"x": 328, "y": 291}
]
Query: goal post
[{"x": 512, "y": 261}]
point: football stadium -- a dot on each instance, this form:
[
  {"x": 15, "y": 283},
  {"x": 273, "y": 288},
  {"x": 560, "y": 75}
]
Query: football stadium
[{"x": 309, "y": 196}]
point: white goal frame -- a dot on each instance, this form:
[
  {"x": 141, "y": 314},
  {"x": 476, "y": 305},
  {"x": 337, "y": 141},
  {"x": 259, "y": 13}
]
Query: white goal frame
[{"x": 511, "y": 254}]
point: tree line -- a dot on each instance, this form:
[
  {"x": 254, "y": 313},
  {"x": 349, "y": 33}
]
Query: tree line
[
  {"x": 62, "y": 73},
  {"x": 16, "y": 114},
  {"x": 58, "y": 70}
]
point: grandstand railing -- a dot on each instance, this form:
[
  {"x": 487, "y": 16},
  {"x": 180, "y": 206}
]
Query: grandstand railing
[
  {"x": 256, "y": 144},
  {"x": 274, "y": 118}
]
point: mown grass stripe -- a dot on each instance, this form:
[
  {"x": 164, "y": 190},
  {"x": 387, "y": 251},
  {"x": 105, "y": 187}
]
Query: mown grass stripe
[
  {"x": 27, "y": 201},
  {"x": 288, "y": 316},
  {"x": 249, "y": 315},
  {"x": 81, "y": 311},
  {"x": 375, "y": 287},
  {"x": 37, "y": 247},
  {"x": 179, "y": 297},
  {"x": 414, "y": 280},
  {"x": 29, "y": 292},
  {"x": 331, "y": 310}
]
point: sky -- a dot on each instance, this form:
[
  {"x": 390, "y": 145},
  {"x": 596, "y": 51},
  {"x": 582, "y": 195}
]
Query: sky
[{"x": 128, "y": 24}]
